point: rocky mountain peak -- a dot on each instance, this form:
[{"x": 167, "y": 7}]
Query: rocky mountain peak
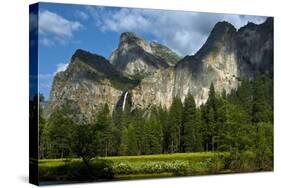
[
  {"x": 128, "y": 36},
  {"x": 143, "y": 73},
  {"x": 87, "y": 56},
  {"x": 223, "y": 26},
  {"x": 255, "y": 48},
  {"x": 130, "y": 41},
  {"x": 221, "y": 32},
  {"x": 134, "y": 57},
  {"x": 266, "y": 25},
  {"x": 170, "y": 57},
  {"x": 90, "y": 81},
  {"x": 222, "y": 35},
  {"x": 155, "y": 44},
  {"x": 268, "y": 21}
]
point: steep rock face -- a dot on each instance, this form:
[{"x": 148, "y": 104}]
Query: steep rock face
[
  {"x": 226, "y": 56},
  {"x": 215, "y": 62},
  {"x": 137, "y": 58},
  {"x": 157, "y": 89},
  {"x": 90, "y": 81},
  {"x": 161, "y": 51},
  {"x": 255, "y": 48}
]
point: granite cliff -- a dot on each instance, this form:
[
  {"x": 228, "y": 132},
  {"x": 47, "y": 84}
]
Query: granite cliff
[
  {"x": 138, "y": 58},
  {"x": 148, "y": 73}
]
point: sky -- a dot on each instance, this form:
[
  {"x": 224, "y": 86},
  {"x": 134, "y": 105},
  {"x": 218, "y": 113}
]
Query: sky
[{"x": 63, "y": 28}]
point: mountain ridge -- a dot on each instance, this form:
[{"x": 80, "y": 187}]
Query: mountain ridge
[
  {"x": 150, "y": 79},
  {"x": 135, "y": 56}
]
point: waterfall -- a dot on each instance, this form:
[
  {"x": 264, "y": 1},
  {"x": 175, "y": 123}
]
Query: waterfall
[{"x": 124, "y": 101}]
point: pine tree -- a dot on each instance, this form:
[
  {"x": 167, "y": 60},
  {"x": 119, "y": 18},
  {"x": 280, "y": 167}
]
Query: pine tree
[
  {"x": 59, "y": 134},
  {"x": 198, "y": 134},
  {"x": 156, "y": 139},
  {"x": 175, "y": 125},
  {"x": 191, "y": 139},
  {"x": 124, "y": 142},
  {"x": 132, "y": 147},
  {"x": 222, "y": 120},
  {"x": 261, "y": 110},
  {"x": 153, "y": 142},
  {"x": 245, "y": 95},
  {"x": 223, "y": 94},
  {"x": 211, "y": 128},
  {"x": 147, "y": 138},
  {"x": 138, "y": 122},
  {"x": 119, "y": 120},
  {"x": 209, "y": 111},
  {"x": 233, "y": 127},
  {"x": 104, "y": 127},
  {"x": 264, "y": 146},
  {"x": 163, "y": 120},
  {"x": 212, "y": 100}
]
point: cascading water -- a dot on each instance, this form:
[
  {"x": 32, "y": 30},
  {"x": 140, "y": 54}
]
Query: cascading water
[{"x": 124, "y": 101}]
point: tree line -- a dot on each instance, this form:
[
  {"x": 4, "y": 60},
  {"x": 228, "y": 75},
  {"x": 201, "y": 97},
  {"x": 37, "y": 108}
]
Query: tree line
[{"x": 239, "y": 121}]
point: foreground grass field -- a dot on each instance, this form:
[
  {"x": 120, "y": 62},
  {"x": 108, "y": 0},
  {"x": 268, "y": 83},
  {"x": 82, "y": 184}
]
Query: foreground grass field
[
  {"x": 127, "y": 167},
  {"x": 149, "y": 166}
]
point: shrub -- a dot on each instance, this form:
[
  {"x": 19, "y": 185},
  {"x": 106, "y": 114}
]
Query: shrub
[
  {"x": 177, "y": 167},
  {"x": 247, "y": 161},
  {"x": 77, "y": 170},
  {"x": 49, "y": 173},
  {"x": 181, "y": 168},
  {"x": 216, "y": 164},
  {"x": 122, "y": 168},
  {"x": 102, "y": 169},
  {"x": 234, "y": 162},
  {"x": 244, "y": 161},
  {"x": 264, "y": 159}
]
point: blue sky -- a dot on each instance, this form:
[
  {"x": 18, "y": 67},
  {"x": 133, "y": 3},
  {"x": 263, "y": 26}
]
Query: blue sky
[{"x": 63, "y": 28}]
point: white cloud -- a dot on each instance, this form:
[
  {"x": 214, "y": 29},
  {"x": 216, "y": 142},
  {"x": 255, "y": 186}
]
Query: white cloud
[
  {"x": 82, "y": 15},
  {"x": 46, "y": 41},
  {"x": 183, "y": 31},
  {"x": 61, "y": 67},
  {"x": 55, "y": 28}
]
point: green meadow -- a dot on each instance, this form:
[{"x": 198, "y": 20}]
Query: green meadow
[{"x": 145, "y": 166}]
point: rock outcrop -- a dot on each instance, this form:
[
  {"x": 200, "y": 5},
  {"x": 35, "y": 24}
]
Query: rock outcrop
[
  {"x": 255, "y": 48},
  {"x": 142, "y": 74},
  {"x": 90, "y": 81},
  {"x": 138, "y": 58},
  {"x": 215, "y": 62}
]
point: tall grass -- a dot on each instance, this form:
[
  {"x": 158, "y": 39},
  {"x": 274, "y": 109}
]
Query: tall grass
[{"x": 145, "y": 166}]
